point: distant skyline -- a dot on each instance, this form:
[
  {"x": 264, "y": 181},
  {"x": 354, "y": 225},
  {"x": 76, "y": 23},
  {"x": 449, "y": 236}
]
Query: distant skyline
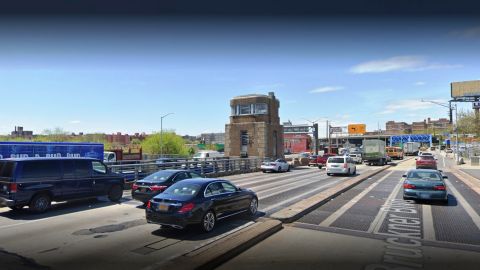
[{"x": 113, "y": 76}]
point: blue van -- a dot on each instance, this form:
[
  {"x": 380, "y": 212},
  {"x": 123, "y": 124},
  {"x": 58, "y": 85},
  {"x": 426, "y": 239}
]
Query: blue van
[{"x": 37, "y": 182}]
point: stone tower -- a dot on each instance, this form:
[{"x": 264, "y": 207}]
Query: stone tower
[{"x": 254, "y": 129}]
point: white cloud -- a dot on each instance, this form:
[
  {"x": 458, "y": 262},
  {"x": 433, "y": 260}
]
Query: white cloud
[
  {"x": 473, "y": 32},
  {"x": 408, "y": 105},
  {"x": 75, "y": 122},
  {"x": 420, "y": 83},
  {"x": 326, "y": 89},
  {"x": 398, "y": 63}
]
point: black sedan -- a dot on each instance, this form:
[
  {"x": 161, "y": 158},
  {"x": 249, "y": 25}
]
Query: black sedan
[
  {"x": 200, "y": 201},
  {"x": 154, "y": 184}
]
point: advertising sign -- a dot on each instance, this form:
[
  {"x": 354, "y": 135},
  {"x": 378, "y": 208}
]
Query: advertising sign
[
  {"x": 335, "y": 129},
  {"x": 39, "y": 149},
  {"x": 460, "y": 90},
  {"x": 357, "y": 128}
]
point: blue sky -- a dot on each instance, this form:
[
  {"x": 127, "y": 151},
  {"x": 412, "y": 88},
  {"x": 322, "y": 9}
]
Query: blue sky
[{"x": 89, "y": 75}]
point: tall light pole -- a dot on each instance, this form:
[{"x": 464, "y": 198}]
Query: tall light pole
[
  {"x": 161, "y": 133},
  {"x": 315, "y": 134},
  {"x": 449, "y": 106}
]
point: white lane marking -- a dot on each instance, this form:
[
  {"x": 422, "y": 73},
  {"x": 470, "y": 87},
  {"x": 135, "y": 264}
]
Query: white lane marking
[
  {"x": 378, "y": 221},
  {"x": 443, "y": 158},
  {"x": 290, "y": 181},
  {"x": 468, "y": 208},
  {"x": 265, "y": 177},
  {"x": 333, "y": 217},
  {"x": 300, "y": 195},
  {"x": 427, "y": 218},
  {"x": 23, "y": 223},
  {"x": 281, "y": 189}
]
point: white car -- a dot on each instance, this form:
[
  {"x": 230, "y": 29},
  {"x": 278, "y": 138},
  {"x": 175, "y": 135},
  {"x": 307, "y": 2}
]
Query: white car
[
  {"x": 341, "y": 165},
  {"x": 279, "y": 165},
  {"x": 357, "y": 158}
]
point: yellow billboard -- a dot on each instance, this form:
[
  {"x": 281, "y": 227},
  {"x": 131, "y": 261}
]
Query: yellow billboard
[
  {"x": 465, "y": 89},
  {"x": 357, "y": 128}
]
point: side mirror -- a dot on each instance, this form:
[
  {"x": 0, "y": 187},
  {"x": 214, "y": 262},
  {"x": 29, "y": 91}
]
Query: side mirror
[
  {"x": 404, "y": 176},
  {"x": 416, "y": 158},
  {"x": 445, "y": 177}
]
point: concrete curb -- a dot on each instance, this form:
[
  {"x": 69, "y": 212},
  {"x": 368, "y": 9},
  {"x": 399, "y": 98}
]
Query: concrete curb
[
  {"x": 218, "y": 252},
  {"x": 297, "y": 210}
]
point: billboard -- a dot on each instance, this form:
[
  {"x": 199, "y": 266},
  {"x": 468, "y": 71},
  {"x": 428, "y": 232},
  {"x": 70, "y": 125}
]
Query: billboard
[
  {"x": 54, "y": 149},
  {"x": 357, "y": 128},
  {"x": 335, "y": 129},
  {"x": 466, "y": 89}
]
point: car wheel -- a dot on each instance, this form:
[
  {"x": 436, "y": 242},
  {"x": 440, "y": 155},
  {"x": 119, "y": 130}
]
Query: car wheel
[
  {"x": 348, "y": 173},
  {"x": 354, "y": 171},
  {"x": 329, "y": 174},
  {"x": 279, "y": 169},
  {"x": 115, "y": 193},
  {"x": 253, "y": 208},
  {"x": 288, "y": 169},
  {"x": 264, "y": 171},
  {"x": 208, "y": 221},
  {"x": 40, "y": 203},
  {"x": 320, "y": 167}
]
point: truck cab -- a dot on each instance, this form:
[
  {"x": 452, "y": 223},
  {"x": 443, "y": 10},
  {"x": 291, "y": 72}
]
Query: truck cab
[{"x": 109, "y": 157}]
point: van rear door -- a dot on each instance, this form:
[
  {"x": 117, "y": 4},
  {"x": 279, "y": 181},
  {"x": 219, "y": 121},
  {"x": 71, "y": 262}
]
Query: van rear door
[{"x": 7, "y": 169}]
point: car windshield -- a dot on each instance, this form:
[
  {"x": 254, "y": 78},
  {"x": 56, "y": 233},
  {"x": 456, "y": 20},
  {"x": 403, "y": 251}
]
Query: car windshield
[
  {"x": 426, "y": 158},
  {"x": 159, "y": 176},
  {"x": 183, "y": 189},
  {"x": 424, "y": 175},
  {"x": 336, "y": 160}
]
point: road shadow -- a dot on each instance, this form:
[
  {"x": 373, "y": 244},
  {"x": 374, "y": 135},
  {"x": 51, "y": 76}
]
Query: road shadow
[
  {"x": 194, "y": 233},
  {"x": 62, "y": 208}
]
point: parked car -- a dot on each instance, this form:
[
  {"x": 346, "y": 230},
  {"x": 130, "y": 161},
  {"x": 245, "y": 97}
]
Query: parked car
[
  {"x": 322, "y": 160},
  {"x": 200, "y": 202},
  {"x": 341, "y": 165},
  {"x": 37, "y": 182},
  {"x": 357, "y": 158},
  {"x": 154, "y": 184},
  {"x": 279, "y": 165},
  {"x": 425, "y": 184},
  {"x": 426, "y": 162},
  {"x": 312, "y": 160}
]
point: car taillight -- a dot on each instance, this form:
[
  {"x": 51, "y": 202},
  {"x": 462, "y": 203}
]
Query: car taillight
[
  {"x": 13, "y": 187},
  {"x": 158, "y": 188},
  {"x": 134, "y": 187},
  {"x": 345, "y": 165},
  {"x": 186, "y": 208},
  {"x": 409, "y": 186},
  {"x": 439, "y": 187},
  {"x": 273, "y": 164},
  {"x": 149, "y": 204}
]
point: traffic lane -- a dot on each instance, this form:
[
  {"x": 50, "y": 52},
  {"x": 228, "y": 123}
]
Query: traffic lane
[
  {"x": 116, "y": 235},
  {"x": 297, "y": 247},
  {"x": 473, "y": 172},
  {"x": 374, "y": 211}
]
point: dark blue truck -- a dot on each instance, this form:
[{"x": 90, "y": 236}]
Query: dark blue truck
[{"x": 51, "y": 150}]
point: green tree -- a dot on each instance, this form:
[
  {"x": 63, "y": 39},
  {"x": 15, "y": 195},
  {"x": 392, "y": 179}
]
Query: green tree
[
  {"x": 173, "y": 144},
  {"x": 466, "y": 123}
]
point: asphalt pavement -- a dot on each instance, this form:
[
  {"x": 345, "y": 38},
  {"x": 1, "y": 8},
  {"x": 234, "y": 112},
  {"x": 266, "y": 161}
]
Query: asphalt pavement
[{"x": 371, "y": 227}]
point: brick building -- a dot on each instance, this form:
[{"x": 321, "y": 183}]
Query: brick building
[
  {"x": 124, "y": 139},
  {"x": 393, "y": 127},
  {"x": 20, "y": 133},
  {"x": 254, "y": 128}
]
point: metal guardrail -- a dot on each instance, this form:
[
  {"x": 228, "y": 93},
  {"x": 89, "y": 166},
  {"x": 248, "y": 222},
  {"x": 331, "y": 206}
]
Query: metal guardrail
[{"x": 140, "y": 169}]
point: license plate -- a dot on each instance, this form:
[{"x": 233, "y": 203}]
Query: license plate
[
  {"x": 163, "y": 207},
  {"x": 424, "y": 196}
]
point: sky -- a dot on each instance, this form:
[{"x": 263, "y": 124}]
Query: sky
[{"x": 86, "y": 74}]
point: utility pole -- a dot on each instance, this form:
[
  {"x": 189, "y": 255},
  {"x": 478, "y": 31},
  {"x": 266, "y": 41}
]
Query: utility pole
[
  {"x": 315, "y": 134},
  {"x": 161, "y": 133}
]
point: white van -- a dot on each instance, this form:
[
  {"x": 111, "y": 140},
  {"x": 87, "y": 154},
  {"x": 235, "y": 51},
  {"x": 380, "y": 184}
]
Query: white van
[{"x": 208, "y": 155}]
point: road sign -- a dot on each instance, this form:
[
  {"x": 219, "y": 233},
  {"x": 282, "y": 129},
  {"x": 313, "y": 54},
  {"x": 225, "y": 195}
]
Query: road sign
[
  {"x": 476, "y": 104},
  {"x": 357, "y": 128},
  {"x": 336, "y": 129}
]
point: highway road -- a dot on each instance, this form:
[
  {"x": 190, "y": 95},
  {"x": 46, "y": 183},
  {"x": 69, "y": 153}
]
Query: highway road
[
  {"x": 372, "y": 227},
  {"x": 96, "y": 234}
]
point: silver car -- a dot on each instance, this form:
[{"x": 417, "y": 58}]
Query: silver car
[{"x": 341, "y": 165}]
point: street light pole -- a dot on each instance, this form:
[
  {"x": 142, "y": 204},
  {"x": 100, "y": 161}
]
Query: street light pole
[
  {"x": 161, "y": 133},
  {"x": 315, "y": 134}
]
